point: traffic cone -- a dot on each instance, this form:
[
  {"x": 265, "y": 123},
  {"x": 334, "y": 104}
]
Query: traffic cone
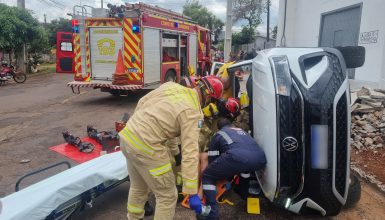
[{"x": 119, "y": 70}]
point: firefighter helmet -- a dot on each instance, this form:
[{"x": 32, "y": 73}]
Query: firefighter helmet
[
  {"x": 213, "y": 86},
  {"x": 233, "y": 105}
]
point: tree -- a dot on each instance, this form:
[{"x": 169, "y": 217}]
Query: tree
[
  {"x": 55, "y": 26},
  {"x": 246, "y": 36},
  {"x": 249, "y": 10},
  {"x": 40, "y": 44},
  {"x": 203, "y": 17},
  {"x": 18, "y": 27}
]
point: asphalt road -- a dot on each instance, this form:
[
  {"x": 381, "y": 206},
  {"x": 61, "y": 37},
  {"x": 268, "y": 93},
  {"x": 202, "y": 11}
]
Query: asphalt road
[{"x": 33, "y": 115}]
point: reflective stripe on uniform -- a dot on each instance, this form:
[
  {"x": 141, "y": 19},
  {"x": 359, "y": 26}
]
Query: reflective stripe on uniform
[
  {"x": 190, "y": 183},
  {"x": 136, "y": 142},
  {"x": 181, "y": 94},
  {"x": 213, "y": 153},
  {"x": 194, "y": 98},
  {"x": 226, "y": 137},
  {"x": 134, "y": 209},
  {"x": 161, "y": 170},
  {"x": 209, "y": 187},
  {"x": 245, "y": 175}
]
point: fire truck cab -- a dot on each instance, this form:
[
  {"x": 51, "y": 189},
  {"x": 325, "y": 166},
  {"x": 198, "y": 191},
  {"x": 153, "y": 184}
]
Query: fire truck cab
[{"x": 157, "y": 45}]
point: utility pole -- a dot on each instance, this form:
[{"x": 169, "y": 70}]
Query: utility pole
[
  {"x": 229, "y": 25},
  {"x": 23, "y": 68},
  {"x": 102, "y": 3},
  {"x": 45, "y": 19},
  {"x": 268, "y": 21},
  {"x": 21, "y": 4}
]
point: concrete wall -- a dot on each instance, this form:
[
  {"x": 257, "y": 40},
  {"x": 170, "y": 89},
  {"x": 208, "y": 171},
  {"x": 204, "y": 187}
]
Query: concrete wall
[
  {"x": 260, "y": 43},
  {"x": 303, "y": 19}
]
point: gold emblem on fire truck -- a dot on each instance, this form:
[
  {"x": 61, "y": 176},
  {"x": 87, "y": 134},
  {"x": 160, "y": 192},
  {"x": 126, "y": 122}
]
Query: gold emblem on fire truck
[{"x": 106, "y": 47}]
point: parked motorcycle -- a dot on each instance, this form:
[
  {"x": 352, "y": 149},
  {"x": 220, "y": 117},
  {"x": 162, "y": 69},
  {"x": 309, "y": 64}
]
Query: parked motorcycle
[{"x": 8, "y": 71}]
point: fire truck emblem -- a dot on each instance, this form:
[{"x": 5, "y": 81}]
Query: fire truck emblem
[{"x": 106, "y": 47}]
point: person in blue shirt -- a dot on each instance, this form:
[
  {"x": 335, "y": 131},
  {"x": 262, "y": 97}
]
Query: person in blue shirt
[{"x": 231, "y": 151}]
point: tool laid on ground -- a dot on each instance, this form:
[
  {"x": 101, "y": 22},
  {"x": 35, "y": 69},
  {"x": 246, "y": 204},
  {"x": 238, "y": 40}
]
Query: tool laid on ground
[
  {"x": 108, "y": 139},
  {"x": 85, "y": 147},
  {"x": 119, "y": 125}
]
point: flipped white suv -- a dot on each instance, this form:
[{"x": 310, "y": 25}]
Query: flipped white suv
[{"x": 301, "y": 119}]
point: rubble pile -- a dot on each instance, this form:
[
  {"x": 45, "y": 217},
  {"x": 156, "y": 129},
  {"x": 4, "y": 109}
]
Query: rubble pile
[{"x": 368, "y": 120}]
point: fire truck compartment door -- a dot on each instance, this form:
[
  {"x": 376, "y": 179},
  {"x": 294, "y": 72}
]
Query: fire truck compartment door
[
  {"x": 105, "y": 43},
  {"x": 151, "y": 48},
  {"x": 193, "y": 52}
]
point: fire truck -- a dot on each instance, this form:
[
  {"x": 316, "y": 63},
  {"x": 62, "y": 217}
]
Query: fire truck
[{"x": 158, "y": 45}]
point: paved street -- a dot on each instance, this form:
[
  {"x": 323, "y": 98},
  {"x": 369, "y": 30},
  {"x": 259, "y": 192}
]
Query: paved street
[{"x": 33, "y": 115}]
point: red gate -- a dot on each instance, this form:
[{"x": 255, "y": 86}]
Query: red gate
[{"x": 64, "y": 53}]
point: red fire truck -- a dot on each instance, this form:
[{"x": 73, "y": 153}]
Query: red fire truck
[{"x": 158, "y": 45}]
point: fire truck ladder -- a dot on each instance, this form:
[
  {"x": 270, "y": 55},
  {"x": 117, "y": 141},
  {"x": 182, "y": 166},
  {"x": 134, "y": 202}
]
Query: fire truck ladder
[
  {"x": 80, "y": 13},
  {"x": 159, "y": 11}
]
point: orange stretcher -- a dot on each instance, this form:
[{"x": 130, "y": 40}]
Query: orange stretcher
[{"x": 221, "y": 189}]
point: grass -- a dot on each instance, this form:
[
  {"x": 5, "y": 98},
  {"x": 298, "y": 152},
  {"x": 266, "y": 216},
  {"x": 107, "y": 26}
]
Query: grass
[{"x": 47, "y": 68}]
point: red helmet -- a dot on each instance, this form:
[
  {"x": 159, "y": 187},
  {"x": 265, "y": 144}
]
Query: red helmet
[
  {"x": 189, "y": 81},
  {"x": 214, "y": 86},
  {"x": 233, "y": 105}
]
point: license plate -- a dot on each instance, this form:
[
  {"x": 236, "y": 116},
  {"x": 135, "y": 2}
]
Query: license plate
[
  {"x": 319, "y": 146},
  {"x": 132, "y": 70}
]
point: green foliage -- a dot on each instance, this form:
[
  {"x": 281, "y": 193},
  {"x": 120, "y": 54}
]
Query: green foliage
[
  {"x": 221, "y": 46},
  {"x": 55, "y": 26},
  {"x": 203, "y": 17},
  {"x": 40, "y": 43},
  {"x": 246, "y": 36},
  {"x": 249, "y": 10},
  {"x": 18, "y": 27}
]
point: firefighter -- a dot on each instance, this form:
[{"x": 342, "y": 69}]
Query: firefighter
[
  {"x": 224, "y": 76},
  {"x": 232, "y": 151},
  {"x": 208, "y": 129},
  {"x": 165, "y": 113}
]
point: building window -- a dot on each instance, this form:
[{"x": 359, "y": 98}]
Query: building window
[{"x": 66, "y": 46}]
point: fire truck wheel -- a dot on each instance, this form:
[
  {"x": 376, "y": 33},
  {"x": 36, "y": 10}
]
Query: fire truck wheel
[{"x": 170, "y": 76}]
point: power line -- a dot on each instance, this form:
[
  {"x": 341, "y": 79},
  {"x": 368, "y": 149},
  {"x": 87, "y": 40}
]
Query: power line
[
  {"x": 57, "y": 3},
  {"x": 50, "y": 4}
]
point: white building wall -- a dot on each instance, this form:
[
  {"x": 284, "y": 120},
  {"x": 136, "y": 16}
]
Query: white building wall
[{"x": 303, "y": 20}]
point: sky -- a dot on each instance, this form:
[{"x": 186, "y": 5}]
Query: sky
[{"x": 59, "y": 8}]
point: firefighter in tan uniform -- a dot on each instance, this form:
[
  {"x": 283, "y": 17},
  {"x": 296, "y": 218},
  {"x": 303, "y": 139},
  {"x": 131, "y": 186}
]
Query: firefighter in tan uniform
[{"x": 165, "y": 113}]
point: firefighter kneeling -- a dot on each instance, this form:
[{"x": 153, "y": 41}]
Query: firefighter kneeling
[
  {"x": 165, "y": 113},
  {"x": 231, "y": 151}
]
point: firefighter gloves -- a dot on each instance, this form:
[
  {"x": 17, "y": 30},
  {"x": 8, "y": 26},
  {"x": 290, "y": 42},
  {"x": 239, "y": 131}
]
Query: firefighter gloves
[{"x": 195, "y": 203}]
